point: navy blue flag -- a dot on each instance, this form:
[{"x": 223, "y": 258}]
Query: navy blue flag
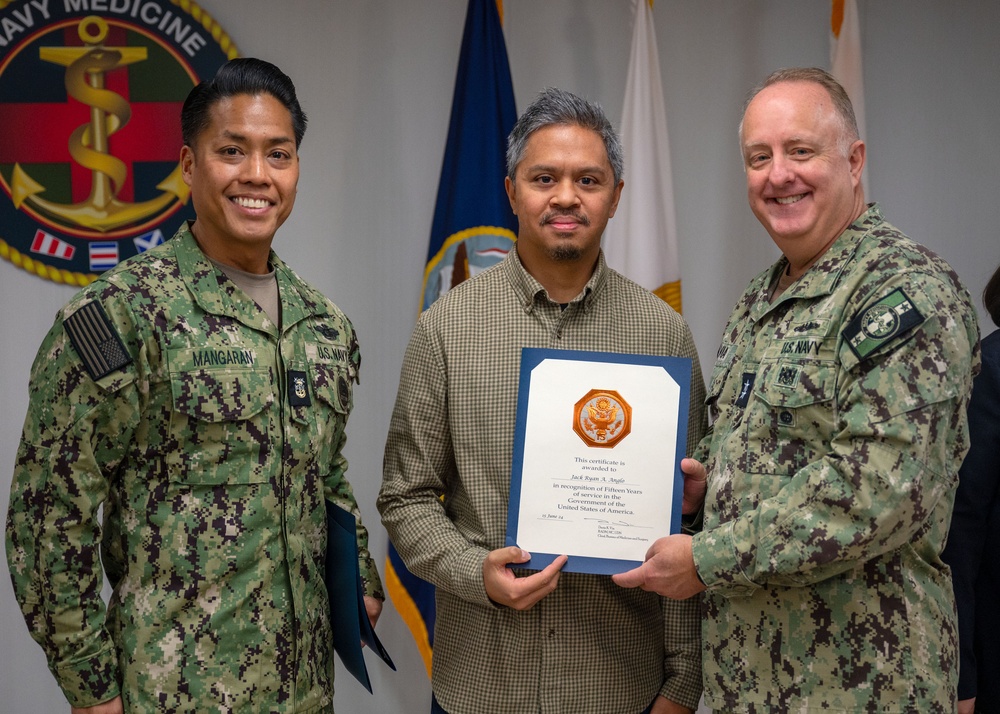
[{"x": 473, "y": 226}]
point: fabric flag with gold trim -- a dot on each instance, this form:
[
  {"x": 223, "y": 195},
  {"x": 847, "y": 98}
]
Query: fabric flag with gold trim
[
  {"x": 641, "y": 240},
  {"x": 473, "y": 226},
  {"x": 845, "y": 58}
]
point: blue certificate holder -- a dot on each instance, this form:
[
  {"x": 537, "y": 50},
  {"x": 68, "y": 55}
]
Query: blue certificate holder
[
  {"x": 348, "y": 616},
  {"x": 597, "y": 450}
]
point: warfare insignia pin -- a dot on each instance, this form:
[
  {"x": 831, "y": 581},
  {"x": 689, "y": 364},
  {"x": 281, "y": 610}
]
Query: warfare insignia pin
[
  {"x": 90, "y": 99},
  {"x": 330, "y": 333},
  {"x": 602, "y": 418},
  {"x": 788, "y": 376}
]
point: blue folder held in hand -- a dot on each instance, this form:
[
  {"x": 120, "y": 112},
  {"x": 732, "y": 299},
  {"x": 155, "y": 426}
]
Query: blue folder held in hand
[{"x": 348, "y": 617}]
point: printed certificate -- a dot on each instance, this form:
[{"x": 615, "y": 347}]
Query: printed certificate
[{"x": 597, "y": 451}]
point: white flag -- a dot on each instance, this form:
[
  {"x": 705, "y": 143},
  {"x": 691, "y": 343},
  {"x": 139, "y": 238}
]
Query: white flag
[
  {"x": 641, "y": 240},
  {"x": 845, "y": 58}
]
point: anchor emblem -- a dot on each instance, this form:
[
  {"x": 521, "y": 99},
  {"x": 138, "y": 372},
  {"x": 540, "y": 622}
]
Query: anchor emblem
[{"x": 102, "y": 210}]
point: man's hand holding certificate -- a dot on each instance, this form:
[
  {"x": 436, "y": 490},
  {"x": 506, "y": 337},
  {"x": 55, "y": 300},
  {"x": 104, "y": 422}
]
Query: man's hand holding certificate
[
  {"x": 504, "y": 588},
  {"x": 596, "y": 469}
]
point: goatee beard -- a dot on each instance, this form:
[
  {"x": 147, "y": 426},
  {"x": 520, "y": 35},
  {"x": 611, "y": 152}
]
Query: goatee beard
[{"x": 566, "y": 253}]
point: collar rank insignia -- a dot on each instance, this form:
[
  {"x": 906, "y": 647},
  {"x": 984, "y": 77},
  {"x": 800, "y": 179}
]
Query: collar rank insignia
[
  {"x": 746, "y": 389},
  {"x": 96, "y": 341},
  {"x": 877, "y": 324},
  {"x": 298, "y": 389}
]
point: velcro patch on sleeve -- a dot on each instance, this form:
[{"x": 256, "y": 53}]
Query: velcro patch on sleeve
[
  {"x": 886, "y": 319},
  {"x": 96, "y": 340}
]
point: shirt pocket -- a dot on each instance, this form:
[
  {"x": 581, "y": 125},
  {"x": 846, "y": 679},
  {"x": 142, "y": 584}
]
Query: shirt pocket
[
  {"x": 788, "y": 385},
  {"x": 324, "y": 417},
  {"x": 792, "y": 417},
  {"x": 220, "y": 426}
]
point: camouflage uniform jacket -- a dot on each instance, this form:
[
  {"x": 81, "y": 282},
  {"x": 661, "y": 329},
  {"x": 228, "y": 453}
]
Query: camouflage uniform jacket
[
  {"x": 839, "y": 425},
  {"x": 211, "y": 451}
]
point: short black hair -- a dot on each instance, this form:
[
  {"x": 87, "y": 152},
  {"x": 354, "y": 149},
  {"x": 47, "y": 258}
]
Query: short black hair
[{"x": 243, "y": 75}]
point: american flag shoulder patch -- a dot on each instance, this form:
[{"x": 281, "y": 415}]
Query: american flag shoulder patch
[{"x": 96, "y": 340}]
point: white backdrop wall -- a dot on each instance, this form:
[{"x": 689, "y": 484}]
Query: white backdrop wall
[{"x": 376, "y": 78}]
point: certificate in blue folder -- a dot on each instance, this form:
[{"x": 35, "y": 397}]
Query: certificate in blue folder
[
  {"x": 597, "y": 451},
  {"x": 348, "y": 617}
]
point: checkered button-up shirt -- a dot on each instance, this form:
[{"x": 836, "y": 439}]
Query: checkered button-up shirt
[{"x": 590, "y": 646}]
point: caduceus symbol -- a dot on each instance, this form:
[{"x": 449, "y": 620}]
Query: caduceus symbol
[{"x": 88, "y": 144}]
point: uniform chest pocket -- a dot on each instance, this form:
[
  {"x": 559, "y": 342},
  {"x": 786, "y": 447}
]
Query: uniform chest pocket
[
  {"x": 796, "y": 393},
  {"x": 325, "y": 412},
  {"x": 788, "y": 421},
  {"x": 221, "y": 426}
]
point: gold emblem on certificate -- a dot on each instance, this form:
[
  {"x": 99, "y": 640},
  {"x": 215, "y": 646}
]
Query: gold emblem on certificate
[{"x": 602, "y": 418}]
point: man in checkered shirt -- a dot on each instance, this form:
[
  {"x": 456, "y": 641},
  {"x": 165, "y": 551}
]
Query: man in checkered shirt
[{"x": 507, "y": 640}]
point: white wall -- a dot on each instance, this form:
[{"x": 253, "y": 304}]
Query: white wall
[{"x": 376, "y": 77}]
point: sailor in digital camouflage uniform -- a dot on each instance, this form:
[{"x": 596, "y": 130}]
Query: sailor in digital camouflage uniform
[
  {"x": 210, "y": 427},
  {"x": 838, "y": 402}
]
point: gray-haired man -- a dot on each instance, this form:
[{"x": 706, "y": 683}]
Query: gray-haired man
[{"x": 506, "y": 640}]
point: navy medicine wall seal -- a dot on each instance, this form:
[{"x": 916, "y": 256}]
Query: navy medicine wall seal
[{"x": 90, "y": 95}]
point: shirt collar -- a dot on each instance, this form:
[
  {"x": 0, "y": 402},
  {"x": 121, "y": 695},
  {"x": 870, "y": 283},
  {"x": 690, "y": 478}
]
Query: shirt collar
[
  {"x": 214, "y": 297},
  {"x": 823, "y": 275},
  {"x": 529, "y": 290}
]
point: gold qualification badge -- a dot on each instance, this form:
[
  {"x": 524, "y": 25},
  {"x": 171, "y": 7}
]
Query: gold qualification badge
[{"x": 602, "y": 418}]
